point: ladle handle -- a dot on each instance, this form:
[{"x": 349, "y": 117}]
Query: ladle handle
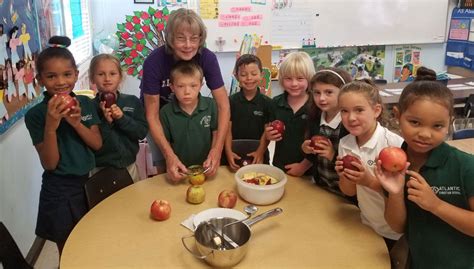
[
  {"x": 269, "y": 213},
  {"x": 202, "y": 257}
]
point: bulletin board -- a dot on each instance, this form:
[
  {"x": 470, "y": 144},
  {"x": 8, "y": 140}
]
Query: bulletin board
[{"x": 329, "y": 23}]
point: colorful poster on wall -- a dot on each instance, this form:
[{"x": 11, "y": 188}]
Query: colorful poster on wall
[
  {"x": 19, "y": 48},
  {"x": 460, "y": 44},
  {"x": 360, "y": 62},
  {"x": 407, "y": 61}
]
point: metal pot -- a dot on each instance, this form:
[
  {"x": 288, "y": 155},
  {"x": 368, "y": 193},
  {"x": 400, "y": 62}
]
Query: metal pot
[{"x": 239, "y": 232}]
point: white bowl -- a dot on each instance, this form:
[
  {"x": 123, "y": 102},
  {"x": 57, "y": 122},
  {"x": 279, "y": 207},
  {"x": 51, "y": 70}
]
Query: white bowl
[{"x": 261, "y": 195}]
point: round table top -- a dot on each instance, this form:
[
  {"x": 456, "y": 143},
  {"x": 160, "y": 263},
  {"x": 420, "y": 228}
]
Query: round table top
[{"x": 316, "y": 229}]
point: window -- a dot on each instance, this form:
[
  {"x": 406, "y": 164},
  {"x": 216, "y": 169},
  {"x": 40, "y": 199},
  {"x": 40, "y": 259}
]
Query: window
[{"x": 69, "y": 18}]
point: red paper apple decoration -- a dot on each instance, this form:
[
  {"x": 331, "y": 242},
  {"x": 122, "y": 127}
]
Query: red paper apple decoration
[
  {"x": 317, "y": 139},
  {"x": 227, "y": 199},
  {"x": 347, "y": 162},
  {"x": 160, "y": 210},
  {"x": 393, "y": 159},
  {"x": 278, "y": 125},
  {"x": 108, "y": 97},
  {"x": 67, "y": 100}
]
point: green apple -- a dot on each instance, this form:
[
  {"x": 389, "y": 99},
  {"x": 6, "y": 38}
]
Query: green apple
[{"x": 195, "y": 194}]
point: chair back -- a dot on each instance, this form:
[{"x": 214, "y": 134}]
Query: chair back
[
  {"x": 10, "y": 254},
  {"x": 242, "y": 147},
  {"x": 462, "y": 134},
  {"x": 469, "y": 106},
  {"x": 106, "y": 182}
]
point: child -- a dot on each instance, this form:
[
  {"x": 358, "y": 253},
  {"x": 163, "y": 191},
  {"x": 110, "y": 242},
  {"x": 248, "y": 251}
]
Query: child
[
  {"x": 361, "y": 106},
  {"x": 250, "y": 110},
  {"x": 64, "y": 138},
  {"x": 325, "y": 120},
  {"x": 290, "y": 107},
  {"x": 185, "y": 37},
  {"x": 189, "y": 120},
  {"x": 433, "y": 201},
  {"x": 123, "y": 124}
]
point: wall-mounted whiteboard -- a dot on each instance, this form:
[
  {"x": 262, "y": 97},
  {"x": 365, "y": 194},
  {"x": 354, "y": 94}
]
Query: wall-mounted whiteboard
[{"x": 331, "y": 22}]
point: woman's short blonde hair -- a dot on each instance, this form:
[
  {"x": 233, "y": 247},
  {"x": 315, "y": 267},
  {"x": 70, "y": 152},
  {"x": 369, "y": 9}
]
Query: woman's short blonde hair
[
  {"x": 184, "y": 18},
  {"x": 296, "y": 64}
]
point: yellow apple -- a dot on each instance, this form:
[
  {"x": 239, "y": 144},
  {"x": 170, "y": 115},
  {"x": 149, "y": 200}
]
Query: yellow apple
[
  {"x": 196, "y": 176},
  {"x": 195, "y": 194}
]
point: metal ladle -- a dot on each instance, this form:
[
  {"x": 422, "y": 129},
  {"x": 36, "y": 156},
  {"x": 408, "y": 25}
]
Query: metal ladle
[{"x": 249, "y": 209}]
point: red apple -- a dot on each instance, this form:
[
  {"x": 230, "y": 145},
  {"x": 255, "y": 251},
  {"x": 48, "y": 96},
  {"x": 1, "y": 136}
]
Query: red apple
[
  {"x": 108, "y": 98},
  {"x": 68, "y": 100},
  {"x": 227, "y": 199},
  {"x": 347, "y": 162},
  {"x": 393, "y": 159},
  {"x": 279, "y": 126},
  {"x": 317, "y": 139},
  {"x": 160, "y": 210}
]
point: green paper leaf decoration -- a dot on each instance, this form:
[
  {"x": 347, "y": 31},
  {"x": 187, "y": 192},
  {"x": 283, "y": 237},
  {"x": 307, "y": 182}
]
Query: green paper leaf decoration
[{"x": 139, "y": 31}]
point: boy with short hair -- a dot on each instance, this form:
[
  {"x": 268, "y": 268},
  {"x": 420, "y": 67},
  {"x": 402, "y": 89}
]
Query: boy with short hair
[{"x": 189, "y": 120}]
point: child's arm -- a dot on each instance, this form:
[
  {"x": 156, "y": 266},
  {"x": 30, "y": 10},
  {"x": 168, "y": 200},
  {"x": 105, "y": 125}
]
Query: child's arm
[
  {"x": 48, "y": 150},
  {"x": 393, "y": 183},
  {"x": 298, "y": 169},
  {"x": 91, "y": 137},
  {"x": 152, "y": 114},
  {"x": 420, "y": 192},
  {"x": 209, "y": 161},
  {"x": 231, "y": 156}
]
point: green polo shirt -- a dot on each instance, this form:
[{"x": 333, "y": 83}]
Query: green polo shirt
[
  {"x": 288, "y": 150},
  {"x": 190, "y": 136},
  {"x": 433, "y": 242},
  {"x": 76, "y": 158},
  {"x": 120, "y": 138},
  {"x": 250, "y": 116}
]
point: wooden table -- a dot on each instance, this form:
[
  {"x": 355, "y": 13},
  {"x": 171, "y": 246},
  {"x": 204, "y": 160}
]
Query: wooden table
[
  {"x": 466, "y": 145},
  {"x": 316, "y": 230},
  {"x": 458, "y": 95}
]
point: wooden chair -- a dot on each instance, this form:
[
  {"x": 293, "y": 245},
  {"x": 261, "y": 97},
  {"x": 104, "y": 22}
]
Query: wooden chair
[
  {"x": 106, "y": 182},
  {"x": 462, "y": 134},
  {"x": 10, "y": 254}
]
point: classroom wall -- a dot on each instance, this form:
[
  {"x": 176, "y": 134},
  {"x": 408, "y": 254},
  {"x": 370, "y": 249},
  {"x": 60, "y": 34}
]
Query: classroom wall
[{"x": 20, "y": 169}]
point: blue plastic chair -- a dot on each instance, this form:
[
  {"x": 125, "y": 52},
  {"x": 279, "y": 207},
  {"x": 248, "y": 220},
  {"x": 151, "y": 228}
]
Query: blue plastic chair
[{"x": 464, "y": 133}]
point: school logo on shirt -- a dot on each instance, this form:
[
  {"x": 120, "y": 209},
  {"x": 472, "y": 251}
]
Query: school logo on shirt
[
  {"x": 206, "y": 121},
  {"x": 446, "y": 190},
  {"x": 128, "y": 109},
  {"x": 86, "y": 117},
  {"x": 165, "y": 83},
  {"x": 258, "y": 113}
]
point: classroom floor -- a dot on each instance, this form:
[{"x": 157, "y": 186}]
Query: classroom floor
[{"x": 49, "y": 257}]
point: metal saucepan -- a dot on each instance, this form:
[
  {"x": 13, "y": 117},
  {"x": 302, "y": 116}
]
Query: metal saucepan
[{"x": 216, "y": 254}]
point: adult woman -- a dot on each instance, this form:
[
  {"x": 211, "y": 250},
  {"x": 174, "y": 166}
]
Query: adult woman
[{"x": 185, "y": 35}]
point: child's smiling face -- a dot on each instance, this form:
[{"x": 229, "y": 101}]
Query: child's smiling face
[
  {"x": 295, "y": 85},
  {"x": 249, "y": 76},
  {"x": 424, "y": 125},
  {"x": 58, "y": 76}
]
